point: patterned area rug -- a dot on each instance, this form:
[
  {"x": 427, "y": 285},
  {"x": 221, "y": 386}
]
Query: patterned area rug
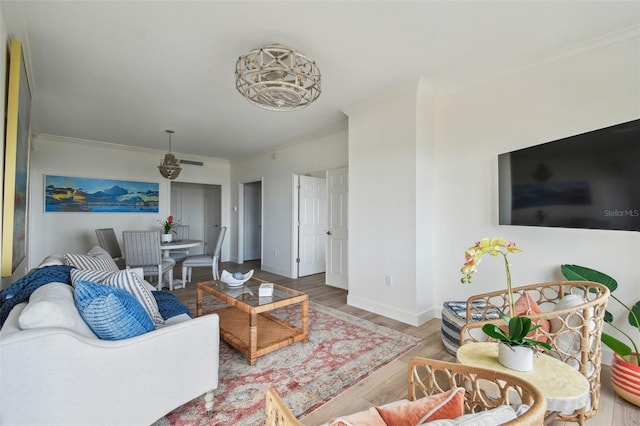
[{"x": 342, "y": 350}]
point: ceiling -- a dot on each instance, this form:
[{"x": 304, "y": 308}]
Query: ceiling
[{"x": 124, "y": 71}]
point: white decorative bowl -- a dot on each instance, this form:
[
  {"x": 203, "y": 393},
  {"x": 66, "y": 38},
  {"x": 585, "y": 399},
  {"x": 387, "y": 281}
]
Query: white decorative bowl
[{"x": 227, "y": 278}]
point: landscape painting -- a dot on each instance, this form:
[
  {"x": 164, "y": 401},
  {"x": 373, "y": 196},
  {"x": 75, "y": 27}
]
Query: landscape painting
[{"x": 90, "y": 195}]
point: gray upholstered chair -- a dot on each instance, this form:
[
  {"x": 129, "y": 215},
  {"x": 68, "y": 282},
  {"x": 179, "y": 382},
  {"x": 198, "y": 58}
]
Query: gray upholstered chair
[
  {"x": 142, "y": 249},
  {"x": 107, "y": 240},
  {"x": 202, "y": 261},
  {"x": 181, "y": 232}
]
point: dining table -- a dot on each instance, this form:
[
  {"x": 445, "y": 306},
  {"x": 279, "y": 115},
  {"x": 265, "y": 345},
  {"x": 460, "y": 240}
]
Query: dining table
[{"x": 176, "y": 245}]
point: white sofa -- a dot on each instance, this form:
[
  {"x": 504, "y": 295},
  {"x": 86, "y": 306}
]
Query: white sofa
[{"x": 64, "y": 376}]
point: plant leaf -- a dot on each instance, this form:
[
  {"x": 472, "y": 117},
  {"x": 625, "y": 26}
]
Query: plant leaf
[
  {"x": 494, "y": 331},
  {"x": 532, "y": 342},
  {"x": 615, "y": 345},
  {"x": 582, "y": 273},
  {"x": 608, "y": 317},
  {"x": 516, "y": 328},
  {"x": 636, "y": 310}
]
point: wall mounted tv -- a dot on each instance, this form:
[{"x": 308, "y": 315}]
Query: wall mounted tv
[{"x": 590, "y": 180}]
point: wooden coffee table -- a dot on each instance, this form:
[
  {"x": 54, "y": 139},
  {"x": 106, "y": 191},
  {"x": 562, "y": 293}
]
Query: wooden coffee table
[{"x": 246, "y": 324}]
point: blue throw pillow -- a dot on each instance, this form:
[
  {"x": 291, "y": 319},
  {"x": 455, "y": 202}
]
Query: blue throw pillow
[{"x": 112, "y": 313}]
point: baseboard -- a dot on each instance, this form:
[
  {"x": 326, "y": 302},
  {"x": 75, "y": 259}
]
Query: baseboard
[
  {"x": 284, "y": 273},
  {"x": 411, "y": 318}
]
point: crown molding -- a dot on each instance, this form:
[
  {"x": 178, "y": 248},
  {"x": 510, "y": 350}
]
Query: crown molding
[{"x": 624, "y": 35}]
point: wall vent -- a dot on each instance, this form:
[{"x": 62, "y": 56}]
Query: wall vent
[{"x": 192, "y": 163}]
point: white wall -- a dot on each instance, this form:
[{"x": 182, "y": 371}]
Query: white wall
[
  {"x": 74, "y": 232},
  {"x": 387, "y": 205},
  {"x": 587, "y": 90},
  {"x": 276, "y": 169}
]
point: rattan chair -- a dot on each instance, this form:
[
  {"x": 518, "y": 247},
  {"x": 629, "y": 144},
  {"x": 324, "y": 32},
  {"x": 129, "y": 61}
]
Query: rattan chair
[
  {"x": 580, "y": 325},
  {"x": 484, "y": 389},
  {"x": 142, "y": 249}
]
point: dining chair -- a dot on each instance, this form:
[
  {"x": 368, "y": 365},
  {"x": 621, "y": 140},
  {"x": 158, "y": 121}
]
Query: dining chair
[
  {"x": 142, "y": 249},
  {"x": 107, "y": 240},
  {"x": 201, "y": 261},
  {"x": 181, "y": 233}
]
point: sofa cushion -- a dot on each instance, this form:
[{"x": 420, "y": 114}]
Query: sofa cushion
[
  {"x": 96, "y": 259},
  {"x": 112, "y": 313},
  {"x": 52, "y": 305},
  {"x": 126, "y": 280}
]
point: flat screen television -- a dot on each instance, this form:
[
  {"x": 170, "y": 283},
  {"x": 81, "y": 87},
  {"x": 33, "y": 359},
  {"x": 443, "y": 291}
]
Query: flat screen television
[{"x": 590, "y": 180}]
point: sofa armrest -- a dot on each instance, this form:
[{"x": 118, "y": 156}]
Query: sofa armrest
[{"x": 57, "y": 376}]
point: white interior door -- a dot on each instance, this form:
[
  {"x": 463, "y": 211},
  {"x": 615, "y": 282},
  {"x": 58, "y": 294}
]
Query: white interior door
[
  {"x": 337, "y": 228},
  {"x": 312, "y": 221},
  {"x": 212, "y": 217},
  {"x": 176, "y": 202}
]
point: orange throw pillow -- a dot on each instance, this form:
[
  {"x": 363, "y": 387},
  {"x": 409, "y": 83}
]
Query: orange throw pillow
[
  {"x": 525, "y": 305},
  {"x": 446, "y": 405}
]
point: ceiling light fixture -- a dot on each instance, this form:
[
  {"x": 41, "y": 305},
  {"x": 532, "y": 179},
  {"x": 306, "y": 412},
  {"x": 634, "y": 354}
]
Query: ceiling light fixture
[
  {"x": 277, "y": 78},
  {"x": 170, "y": 166}
]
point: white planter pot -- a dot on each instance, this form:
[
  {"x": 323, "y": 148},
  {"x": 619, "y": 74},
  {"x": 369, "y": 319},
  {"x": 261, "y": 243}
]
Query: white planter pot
[
  {"x": 167, "y": 238},
  {"x": 516, "y": 358}
]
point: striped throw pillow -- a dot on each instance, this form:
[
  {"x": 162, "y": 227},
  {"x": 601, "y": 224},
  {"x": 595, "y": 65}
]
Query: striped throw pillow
[{"x": 95, "y": 260}]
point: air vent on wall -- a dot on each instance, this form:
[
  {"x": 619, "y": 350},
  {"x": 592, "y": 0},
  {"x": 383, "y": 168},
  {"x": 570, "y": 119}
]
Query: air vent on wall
[{"x": 192, "y": 163}]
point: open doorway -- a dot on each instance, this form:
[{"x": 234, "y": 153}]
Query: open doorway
[
  {"x": 200, "y": 207},
  {"x": 252, "y": 221},
  {"x": 320, "y": 225}
]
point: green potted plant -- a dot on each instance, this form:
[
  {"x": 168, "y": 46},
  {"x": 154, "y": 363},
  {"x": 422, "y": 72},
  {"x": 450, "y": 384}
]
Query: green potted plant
[
  {"x": 625, "y": 369},
  {"x": 167, "y": 225},
  {"x": 515, "y": 350}
]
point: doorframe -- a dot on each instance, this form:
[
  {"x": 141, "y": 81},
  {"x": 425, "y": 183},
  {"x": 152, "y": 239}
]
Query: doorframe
[
  {"x": 295, "y": 181},
  {"x": 295, "y": 225},
  {"x": 240, "y": 242}
]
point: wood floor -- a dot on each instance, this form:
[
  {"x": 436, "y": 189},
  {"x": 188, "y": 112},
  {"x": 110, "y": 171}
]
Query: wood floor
[{"x": 389, "y": 383}]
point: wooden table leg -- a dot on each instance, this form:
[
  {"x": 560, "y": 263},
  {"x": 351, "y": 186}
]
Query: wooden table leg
[
  {"x": 253, "y": 338},
  {"x": 199, "y": 303}
]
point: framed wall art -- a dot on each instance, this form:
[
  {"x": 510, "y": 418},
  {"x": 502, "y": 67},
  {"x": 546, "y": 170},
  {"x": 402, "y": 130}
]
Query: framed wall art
[
  {"x": 91, "y": 195},
  {"x": 16, "y": 167}
]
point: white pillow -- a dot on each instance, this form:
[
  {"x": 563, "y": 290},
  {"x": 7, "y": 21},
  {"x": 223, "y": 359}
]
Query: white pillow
[
  {"x": 568, "y": 340},
  {"x": 51, "y": 260},
  {"x": 492, "y": 417},
  {"x": 568, "y": 301},
  {"x": 52, "y": 305}
]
